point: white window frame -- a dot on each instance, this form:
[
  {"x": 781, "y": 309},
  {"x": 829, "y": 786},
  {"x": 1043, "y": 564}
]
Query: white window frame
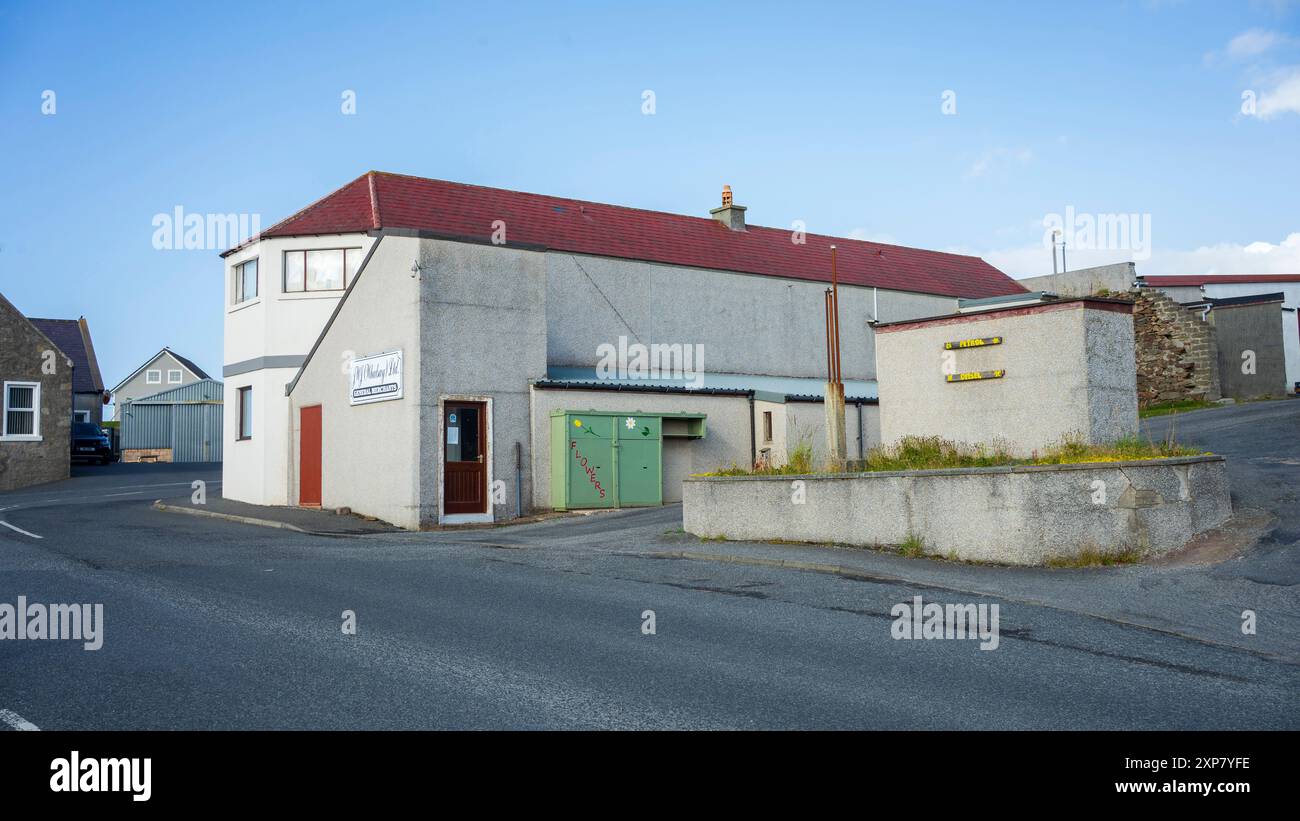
[
  {"x": 243, "y": 419},
  {"x": 179, "y": 376},
  {"x": 81, "y": 416},
  {"x": 35, "y": 435},
  {"x": 238, "y": 297},
  {"x": 153, "y": 377}
]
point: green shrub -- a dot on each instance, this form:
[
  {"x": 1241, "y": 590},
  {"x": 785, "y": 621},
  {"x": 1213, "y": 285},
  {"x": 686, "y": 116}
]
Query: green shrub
[{"x": 913, "y": 546}]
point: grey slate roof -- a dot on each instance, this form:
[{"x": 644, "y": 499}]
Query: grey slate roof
[{"x": 73, "y": 338}]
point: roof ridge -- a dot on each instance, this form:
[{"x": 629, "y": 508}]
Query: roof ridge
[
  {"x": 674, "y": 214},
  {"x": 374, "y": 201}
]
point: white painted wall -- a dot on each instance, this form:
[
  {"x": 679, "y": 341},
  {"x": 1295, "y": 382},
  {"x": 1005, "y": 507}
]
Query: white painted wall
[
  {"x": 253, "y": 470},
  {"x": 273, "y": 324}
]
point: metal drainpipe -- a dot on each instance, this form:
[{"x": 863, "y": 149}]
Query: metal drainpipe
[
  {"x": 519, "y": 480},
  {"x": 861, "y": 453},
  {"x": 753, "y": 433}
]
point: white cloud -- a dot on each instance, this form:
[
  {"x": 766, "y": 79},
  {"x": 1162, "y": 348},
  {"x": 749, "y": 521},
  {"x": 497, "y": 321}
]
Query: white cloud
[
  {"x": 1249, "y": 47},
  {"x": 1224, "y": 258},
  {"x": 1253, "y": 43},
  {"x": 1282, "y": 97}
]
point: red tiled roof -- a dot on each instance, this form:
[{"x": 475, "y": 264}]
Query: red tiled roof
[
  {"x": 1181, "y": 281},
  {"x": 458, "y": 211}
]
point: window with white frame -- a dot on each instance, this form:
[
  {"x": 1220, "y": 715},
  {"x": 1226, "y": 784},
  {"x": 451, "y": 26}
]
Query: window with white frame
[
  {"x": 81, "y": 416},
  {"x": 173, "y": 377},
  {"x": 246, "y": 281},
  {"x": 245, "y": 429},
  {"x": 22, "y": 419},
  {"x": 153, "y": 377},
  {"x": 330, "y": 269}
]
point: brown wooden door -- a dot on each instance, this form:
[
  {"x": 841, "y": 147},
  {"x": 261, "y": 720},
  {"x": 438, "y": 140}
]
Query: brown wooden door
[
  {"x": 309, "y": 457},
  {"x": 464, "y": 448}
]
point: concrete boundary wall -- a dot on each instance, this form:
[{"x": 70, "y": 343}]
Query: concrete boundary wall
[{"x": 1024, "y": 515}]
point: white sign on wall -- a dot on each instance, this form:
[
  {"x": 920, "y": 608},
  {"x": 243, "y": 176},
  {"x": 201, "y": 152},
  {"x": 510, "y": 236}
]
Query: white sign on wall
[{"x": 376, "y": 378}]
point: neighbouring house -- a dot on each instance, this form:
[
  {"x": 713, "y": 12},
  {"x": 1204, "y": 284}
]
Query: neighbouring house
[
  {"x": 72, "y": 336},
  {"x": 36, "y": 391},
  {"x": 430, "y": 352},
  {"x": 178, "y": 425},
  {"x": 163, "y": 371}
]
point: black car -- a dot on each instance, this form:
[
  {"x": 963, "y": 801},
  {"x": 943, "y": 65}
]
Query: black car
[{"x": 89, "y": 442}]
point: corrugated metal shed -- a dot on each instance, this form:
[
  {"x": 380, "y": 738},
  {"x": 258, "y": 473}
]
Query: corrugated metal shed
[{"x": 186, "y": 419}]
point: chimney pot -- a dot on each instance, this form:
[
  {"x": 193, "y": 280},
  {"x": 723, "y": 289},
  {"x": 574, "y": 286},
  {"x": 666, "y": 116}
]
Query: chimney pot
[{"x": 729, "y": 214}]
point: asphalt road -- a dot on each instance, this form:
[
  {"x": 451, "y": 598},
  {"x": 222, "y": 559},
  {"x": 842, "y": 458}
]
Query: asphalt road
[{"x": 212, "y": 624}]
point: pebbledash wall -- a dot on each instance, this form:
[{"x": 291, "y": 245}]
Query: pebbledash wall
[
  {"x": 490, "y": 322},
  {"x": 1009, "y": 515},
  {"x": 472, "y": 326},
  {"x": 1061, "y": 367},
  {"x": 517, "y": 325}
]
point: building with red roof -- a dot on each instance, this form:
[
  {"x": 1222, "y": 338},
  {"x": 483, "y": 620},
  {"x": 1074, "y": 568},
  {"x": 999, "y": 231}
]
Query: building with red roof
[{"x": 397, "y": 310}]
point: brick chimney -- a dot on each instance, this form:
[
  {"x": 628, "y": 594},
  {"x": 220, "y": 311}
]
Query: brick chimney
[{"x": 730, "y": 215}]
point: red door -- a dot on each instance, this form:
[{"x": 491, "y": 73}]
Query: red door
[
  {"x": 464, "y": 448},
  {"x": 309, "y": 457}
]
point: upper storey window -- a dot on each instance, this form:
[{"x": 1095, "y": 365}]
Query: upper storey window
[
  {"x": 326, "y": 270},
  {"x": 246, "y": 281}
]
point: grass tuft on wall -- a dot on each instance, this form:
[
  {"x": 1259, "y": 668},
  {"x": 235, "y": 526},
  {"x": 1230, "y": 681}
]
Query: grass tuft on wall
[{"x": 937, "y": 453}]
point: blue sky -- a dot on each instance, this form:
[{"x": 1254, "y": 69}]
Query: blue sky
[{"x": 830, "y": 114}]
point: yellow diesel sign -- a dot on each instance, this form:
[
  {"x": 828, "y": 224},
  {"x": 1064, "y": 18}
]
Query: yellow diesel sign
[{"x": 972, "y": 376}]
